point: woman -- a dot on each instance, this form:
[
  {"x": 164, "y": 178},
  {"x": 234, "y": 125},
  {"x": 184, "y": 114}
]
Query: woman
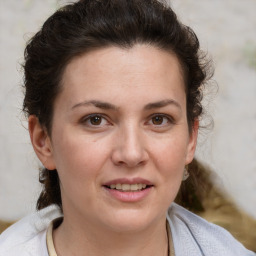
[{"x": 113, "y": 92}]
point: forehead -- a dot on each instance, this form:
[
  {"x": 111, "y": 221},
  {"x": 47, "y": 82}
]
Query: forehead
[
  {"x": 140, "y": 69},
  {"x": 121, "y": 60}
]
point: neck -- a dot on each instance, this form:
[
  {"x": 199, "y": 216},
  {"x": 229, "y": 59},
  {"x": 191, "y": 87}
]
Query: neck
[{"x": 89, "y": 240}]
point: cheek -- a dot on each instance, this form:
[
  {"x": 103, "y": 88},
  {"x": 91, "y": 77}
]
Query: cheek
[
  {"x": 170, "y": 156},
  {"x": 170, "y": 153},
  {"x": 78, "y": 159},
  {"x": 78, "y": 164}
]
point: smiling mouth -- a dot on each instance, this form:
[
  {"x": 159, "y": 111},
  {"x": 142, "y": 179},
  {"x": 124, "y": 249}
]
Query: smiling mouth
[{"x": 128, "y": 187}]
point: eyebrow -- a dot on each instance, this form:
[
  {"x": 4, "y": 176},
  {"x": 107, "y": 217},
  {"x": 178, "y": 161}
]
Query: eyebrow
[
  {"x": 106, "y": 105},
  {"x": 161, "y": 104},
  {"x": 96, "y": 103}
]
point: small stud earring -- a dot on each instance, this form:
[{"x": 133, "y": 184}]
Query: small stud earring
[{"x": 185, "y": 174}]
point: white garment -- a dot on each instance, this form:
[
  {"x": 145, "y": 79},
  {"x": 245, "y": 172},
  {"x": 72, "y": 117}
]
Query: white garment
[
  {"x": 192, "y": 235},
  {"x": 27, "y": 237}
]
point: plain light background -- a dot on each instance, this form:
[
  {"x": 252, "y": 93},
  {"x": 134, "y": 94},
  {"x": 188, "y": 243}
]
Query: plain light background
[{"x": 226, "y": 30}]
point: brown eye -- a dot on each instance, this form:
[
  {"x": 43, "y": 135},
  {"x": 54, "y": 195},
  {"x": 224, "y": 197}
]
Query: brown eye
[
  {"x": 157, "y": 120},
  {"x": 95, "y": 120}
]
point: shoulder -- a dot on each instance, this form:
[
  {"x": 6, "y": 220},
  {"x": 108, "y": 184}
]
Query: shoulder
[
  {"x": 28, "y": 234},
  {"x": 193, "y": 235}
]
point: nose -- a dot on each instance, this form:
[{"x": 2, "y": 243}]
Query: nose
[{"x": 130, "y": 149}]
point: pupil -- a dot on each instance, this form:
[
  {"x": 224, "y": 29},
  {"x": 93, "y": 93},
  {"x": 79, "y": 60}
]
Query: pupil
[
  {"x": 96, "y": 120},
  {"x": 158, "y": 120}
]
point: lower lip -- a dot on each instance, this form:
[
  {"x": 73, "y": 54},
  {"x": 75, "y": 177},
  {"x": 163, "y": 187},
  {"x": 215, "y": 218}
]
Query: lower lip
[{"x": 134, "y": 196}]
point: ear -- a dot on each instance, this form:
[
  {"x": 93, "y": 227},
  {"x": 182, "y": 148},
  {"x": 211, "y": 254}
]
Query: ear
[
  {"x": 191, "y": 148},
  {"x": 41, "y": 142}
]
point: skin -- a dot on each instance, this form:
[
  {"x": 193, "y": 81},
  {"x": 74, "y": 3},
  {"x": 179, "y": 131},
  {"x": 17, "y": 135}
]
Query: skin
[{"x": 142, "y": 134}]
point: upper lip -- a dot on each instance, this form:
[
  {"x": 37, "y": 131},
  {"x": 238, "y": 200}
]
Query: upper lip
[{"x": 128, "y": 181}]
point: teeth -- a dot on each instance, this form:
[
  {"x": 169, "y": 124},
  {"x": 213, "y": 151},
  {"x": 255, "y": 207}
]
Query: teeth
[
  {"x": 118, "y": 186},
  {"x": 134, "y": 187},
  {"x": 128, "y": 187}
]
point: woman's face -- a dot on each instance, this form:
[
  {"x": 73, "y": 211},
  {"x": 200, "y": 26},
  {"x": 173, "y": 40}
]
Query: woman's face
[{"x": 120, "y": 137}]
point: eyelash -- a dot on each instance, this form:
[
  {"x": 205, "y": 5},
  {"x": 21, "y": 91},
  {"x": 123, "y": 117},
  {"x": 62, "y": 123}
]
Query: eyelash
[
  {"x": 86, "y": 119},
  {"x": 89, "y": 117},
  {"x": 169, "y": 119}
]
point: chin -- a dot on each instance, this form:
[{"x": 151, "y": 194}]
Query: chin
[{"x": 133, "y": 220}]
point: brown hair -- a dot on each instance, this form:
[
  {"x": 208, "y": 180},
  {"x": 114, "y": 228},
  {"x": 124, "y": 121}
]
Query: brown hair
[{"x": 80, "y": 27}]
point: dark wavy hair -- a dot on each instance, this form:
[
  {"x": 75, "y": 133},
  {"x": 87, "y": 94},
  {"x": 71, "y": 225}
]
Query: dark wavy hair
[{"x": 91, "y": 24}]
